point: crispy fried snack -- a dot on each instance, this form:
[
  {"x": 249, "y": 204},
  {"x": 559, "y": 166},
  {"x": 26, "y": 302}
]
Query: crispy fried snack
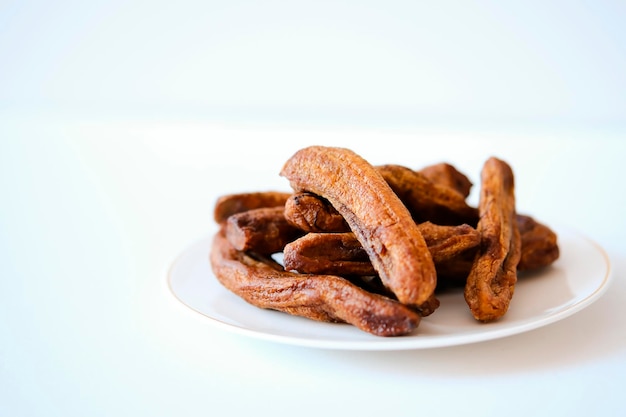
[
  {"x": 328, "y": 253},
  {"x": 230, "y": 204},
  {"x": 327, "y": 298},
  {"x": 446, "y": 174},
  {"x": 539, "y": 249},
  {"x": 447, "y": 242},
  {"x": 375, "y": 214},
  {"x": 539, "y": 244},
  {"x": 426, "y": 200},
  {"x": 491, "y": 282},
  {"x": 404, "y": 234},
  {"x": 311, "y": 213},
  {"x": 342, "y": 254},
  {"x": 263, "y": 230}
]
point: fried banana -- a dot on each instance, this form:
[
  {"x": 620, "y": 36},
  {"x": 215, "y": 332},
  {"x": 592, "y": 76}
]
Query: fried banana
[
  {"x": 539, "y": 249},
  {"x": 262, "y": 230},
  {"x": 311, "y": 213},
  {"x": 447, "y": 242},
  {"x": 426, "y": 200},
  {"x": 491, "y": 281},
  {"x": 446, "y": 174},
  {"x": 230, "y": 204},
  {"x": 539, "y": 244},
  {"x": 375, "y": 214},
  {"x": 263, "y": 283},
  {"x": 327, "y": 253},
  {"x": 342, "y": 254}
]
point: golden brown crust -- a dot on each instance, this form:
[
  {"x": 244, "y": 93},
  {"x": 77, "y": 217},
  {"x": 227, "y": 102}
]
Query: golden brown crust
[
  {"x": 426, "y": 200},
  {"x": 539, "y": 244},
  {"x": 311, "y": 213},
  {"x": 230, "y": 204},
  {"x": 375, "y": 214},
  {"x": 327, "y": 253},
  {"x": 447, "y": 175},
  {"x": 539, "y": 249},
  {"x": 447, "y": 242},
  {"x": 262, "y": 230},
  {"x": 491, "y": 282},
  {"x": 342, "y": 254},
  {"x": 326, "y": 298}
]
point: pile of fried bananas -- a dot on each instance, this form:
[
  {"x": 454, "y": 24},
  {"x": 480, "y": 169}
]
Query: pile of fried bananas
[{"x": 373, "y": 246}]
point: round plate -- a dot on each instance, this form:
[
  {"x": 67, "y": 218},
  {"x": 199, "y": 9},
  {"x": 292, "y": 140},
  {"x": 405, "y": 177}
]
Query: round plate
[{"x": 578, "y": 278}]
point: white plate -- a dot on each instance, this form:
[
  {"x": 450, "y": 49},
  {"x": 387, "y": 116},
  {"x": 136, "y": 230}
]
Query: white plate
[{"x": 578, "y": 278}]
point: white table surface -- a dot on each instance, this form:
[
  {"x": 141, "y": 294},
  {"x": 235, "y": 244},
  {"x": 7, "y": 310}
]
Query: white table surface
[{"x": 121, "y": 122}]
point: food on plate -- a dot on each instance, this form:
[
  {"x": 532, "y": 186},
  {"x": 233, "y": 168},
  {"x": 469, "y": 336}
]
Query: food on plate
[
  {"x": 427, "y": 200},
  {"x": 342, "y": 254},
  {"x": 491, "y": 280},
  {"x": 374, "y": 245},
  {"x": 237, "y": 203},
  {"x": 327, "y": 253},
  {"x": 446, "y": 174},
  {"x": 264, "y": 283},
  {"x": 539, "y": 244},
  {"x": 311, "y": 213},
  {"x": 262, "y": 230},
  {"x": 375, "y": 214}
]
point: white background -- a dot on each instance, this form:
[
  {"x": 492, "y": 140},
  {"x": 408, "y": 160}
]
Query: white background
[{"x": 122, "y": 122}]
